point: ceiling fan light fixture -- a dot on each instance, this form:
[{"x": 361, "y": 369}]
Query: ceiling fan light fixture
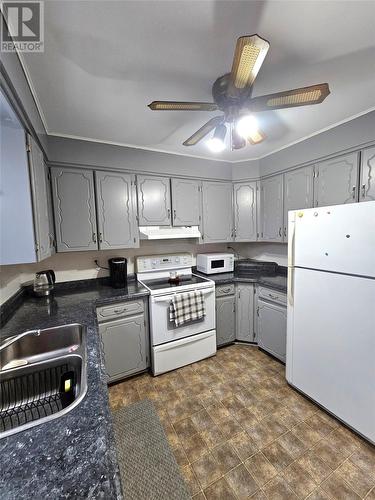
[
  {"x": 247, "y": 126},
  {"x": 216, "y": 143}
]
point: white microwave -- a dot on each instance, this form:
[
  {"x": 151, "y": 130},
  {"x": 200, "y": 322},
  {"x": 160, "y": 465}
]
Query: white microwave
[{"x": 212, "y": 263}]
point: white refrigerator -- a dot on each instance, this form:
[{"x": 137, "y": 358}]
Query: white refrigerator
[{"x": 331, "y": 310}]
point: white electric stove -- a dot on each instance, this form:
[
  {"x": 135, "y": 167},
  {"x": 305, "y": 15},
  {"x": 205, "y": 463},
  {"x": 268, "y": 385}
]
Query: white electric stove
[{"x": 171, "y": 346}]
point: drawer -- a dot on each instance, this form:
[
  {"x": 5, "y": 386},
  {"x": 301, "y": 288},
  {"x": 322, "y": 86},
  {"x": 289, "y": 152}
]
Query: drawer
[
  {"x": 119, "y": 310},
  {"x": 272, "y": 295},
  {"x": 223, "y": 290}
]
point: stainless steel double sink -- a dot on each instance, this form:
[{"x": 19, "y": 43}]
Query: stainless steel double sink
[{"x": 43, "y": 375}]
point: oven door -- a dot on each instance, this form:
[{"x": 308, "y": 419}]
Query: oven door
[{"x": 163, "y": 330}]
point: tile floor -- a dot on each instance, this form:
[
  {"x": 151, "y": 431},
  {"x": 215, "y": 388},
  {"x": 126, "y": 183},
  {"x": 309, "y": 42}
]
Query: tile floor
[{"x": 239, "y": 431}]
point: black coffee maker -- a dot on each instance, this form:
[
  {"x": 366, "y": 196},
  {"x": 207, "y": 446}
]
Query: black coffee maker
[{"x": 118, "y": 272}]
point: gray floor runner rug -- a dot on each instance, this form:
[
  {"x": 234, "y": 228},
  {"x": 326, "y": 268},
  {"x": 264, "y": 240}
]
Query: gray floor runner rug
[{"x": 147, "y": 465}]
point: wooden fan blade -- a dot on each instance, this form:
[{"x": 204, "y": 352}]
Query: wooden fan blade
[
  {"x": 256, "y": 137},
  {"x": 304, "y": 96},
  {"x": 182, "y": 106},
  {"x": 203, "y": 131},
  {"x": 248, "y": 58}
]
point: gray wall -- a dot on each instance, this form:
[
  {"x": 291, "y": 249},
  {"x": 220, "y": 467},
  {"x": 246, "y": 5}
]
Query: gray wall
[
  {"x": 15, "y": 87},
  {"x": 246, "y": 170},
  {"x": 354, "y": 134},
  {"x": 95, "y": 154}
]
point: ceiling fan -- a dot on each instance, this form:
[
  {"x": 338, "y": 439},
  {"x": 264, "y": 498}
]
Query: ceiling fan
[{"x": 232, "y": 94}]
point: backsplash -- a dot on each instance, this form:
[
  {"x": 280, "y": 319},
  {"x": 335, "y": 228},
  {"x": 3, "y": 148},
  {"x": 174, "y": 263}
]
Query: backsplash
[
  {"x": 71, "y": 266},
  {"x": 274, "y": 252}
]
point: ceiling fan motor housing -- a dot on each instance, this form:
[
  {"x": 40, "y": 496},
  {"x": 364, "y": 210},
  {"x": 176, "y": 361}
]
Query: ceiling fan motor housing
[{"x": 225, "y": 102}]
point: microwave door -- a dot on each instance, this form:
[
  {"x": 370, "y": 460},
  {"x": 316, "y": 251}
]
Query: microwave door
[{"x": 217, "y": 264}]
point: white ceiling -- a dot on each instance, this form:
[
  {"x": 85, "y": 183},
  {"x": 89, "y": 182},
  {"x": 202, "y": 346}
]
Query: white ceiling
[{"x": 104, "y": 61}]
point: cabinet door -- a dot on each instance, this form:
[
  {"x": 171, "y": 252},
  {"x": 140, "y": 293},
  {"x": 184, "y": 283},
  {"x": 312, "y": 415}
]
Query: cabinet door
[
  {"x": 245, "y": 211},
  {"x": 367, "y": 188},
  {"x": 298, "y": 192},
  {"x": 245, "y": 312},
  {"x": 116, "y": 206},
  {"x": 74, "y": 206},
  {"x": 44, "y": 243},
  {"x": 125, "y": 346},
  {"x": 186, "y": 202},
  {"x": 154, "y": 201},
  {"x": 272, "y": 329},
  {"x": 225, "y": 320},
  {"x": 217, "y": 212},
  {"x": 336, "y": 181},
  {"x": 271, "y": 209}
]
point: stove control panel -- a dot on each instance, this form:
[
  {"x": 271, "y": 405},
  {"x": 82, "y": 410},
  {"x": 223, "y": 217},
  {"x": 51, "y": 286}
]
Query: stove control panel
[{"x": 163, "y": 262}]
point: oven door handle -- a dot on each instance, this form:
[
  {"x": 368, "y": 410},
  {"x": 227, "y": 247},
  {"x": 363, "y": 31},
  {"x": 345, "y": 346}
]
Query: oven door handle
[{"x": 168, "y": 298}]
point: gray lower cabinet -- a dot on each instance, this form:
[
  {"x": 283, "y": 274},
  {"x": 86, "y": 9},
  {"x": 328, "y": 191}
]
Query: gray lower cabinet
[
  {"x": 124, "y": 335},
  {"x": 154, "y": 200},
  {"x": 116, "y": 209},
  {"x": 186, "y": 202},
  {"x": 298, "y": 192},
  {"x": 271, "y": 209},
  {"x": 74, "y": 209},
  {"x": 217, "y": 212},
  {"x": 225, "y": 315},
  {"x": 367, "y": 184},
  {"x": 245, "y": 211},
  {"x": 271, "y": 328},
  {"x": 336, "y": 181},
  {"x": 245, "y": 312}
]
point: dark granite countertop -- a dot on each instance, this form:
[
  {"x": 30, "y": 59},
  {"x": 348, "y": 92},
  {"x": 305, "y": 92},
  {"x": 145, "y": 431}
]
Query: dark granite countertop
[
  {"x": 72, "y": 456},
  {"x": 276, "y": 281}
]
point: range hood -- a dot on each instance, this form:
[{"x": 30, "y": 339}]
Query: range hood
[{"x": 168, "y": 232}]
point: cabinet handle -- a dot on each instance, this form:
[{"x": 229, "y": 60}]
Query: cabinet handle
[
  {"x": 280, "y": 232},
  {"x": 353, "y": 192},
  {"x": 226, "y": 290},
  {"x": 169, "y": 213},
  {"x": 94, "y": 237},
  {"x": 363, "y": 190},
  {"x": 119, "y": 311},
  {"x": 100, "y": 238},
  {"x": 174, "y": 214},
  {"x": 258, "y": 311},
  {"x": 275, "y": 297}
]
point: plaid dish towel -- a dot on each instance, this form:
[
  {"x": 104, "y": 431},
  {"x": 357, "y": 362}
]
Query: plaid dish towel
[{"x": 185, "y": 307}]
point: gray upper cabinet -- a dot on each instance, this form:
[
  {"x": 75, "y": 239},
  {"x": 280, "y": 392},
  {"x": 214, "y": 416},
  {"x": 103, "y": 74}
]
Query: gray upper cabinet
[
  {"x": 336, "y": 181},
  {"x": 42, "y": 227},
  {"x": 271, "y": 209},
  {"x": 74, "y": 208},
  {"x": 298, "y": 192},
  {"x": 217, "y": 212},
  {"x": 125, "y": 346},
  {"x": 225, "y": 320},
  {"x": 245, "y": 211},
  {"x": 116, "y": 208},
  {"x": 245, "y": 312},
  {"x": 272, "y": 328},
  {"x": 367, "y": 187},
  {"x": 154, "y": 201},
  {"x": 186, "y": 202}
]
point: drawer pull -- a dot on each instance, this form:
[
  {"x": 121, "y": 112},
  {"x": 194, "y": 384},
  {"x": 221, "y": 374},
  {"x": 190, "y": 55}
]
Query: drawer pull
[
  {"x": 275, "y": 297},
  {"x": 226, "y": 290},
  {"x": 119, "y": 311}
]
